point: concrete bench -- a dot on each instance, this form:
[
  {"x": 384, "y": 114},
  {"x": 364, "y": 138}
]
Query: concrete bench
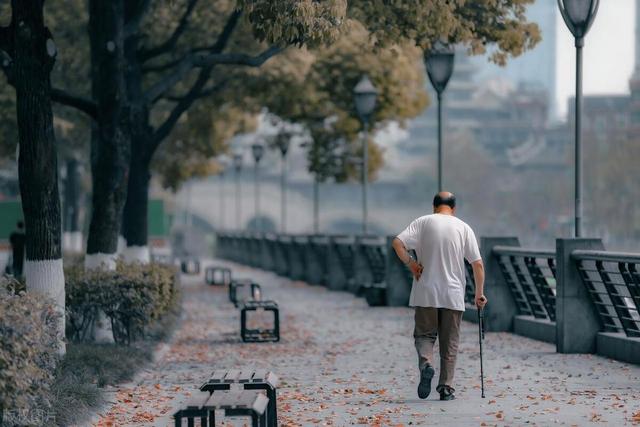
[
  {"x": 234, "y": 403},
  {"x": 269, "y": 334},
  {"x": 190, "y": 266},
  {"x": 259, "y": 379},
  {"x": 217, "y": 276}
]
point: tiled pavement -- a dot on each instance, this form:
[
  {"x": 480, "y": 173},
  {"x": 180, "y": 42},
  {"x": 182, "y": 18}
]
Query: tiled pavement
[{"x": 344, "y": 363}]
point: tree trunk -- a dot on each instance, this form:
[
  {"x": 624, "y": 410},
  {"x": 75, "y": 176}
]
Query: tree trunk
[
  {"x": 34, "y": 57},
  {"x": 135, "y": 223},
  {"x": 111, "y": 147}
]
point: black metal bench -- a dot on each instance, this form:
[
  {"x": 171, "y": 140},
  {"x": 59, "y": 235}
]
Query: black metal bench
[
  {"x": 243, "y": 290},
  {"x": 259, "y": 379},
  {"x": 190, "y": 266},
  {"x": 217, "y": 276},
  {"x": 262, "y": 334},
  {"x": 234, "y": 403}
]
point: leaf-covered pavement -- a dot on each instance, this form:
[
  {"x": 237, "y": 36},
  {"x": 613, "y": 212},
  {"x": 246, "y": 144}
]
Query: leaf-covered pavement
[{"x": 344, "y": 363}]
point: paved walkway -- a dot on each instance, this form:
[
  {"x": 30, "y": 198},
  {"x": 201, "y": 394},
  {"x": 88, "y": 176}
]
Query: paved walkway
[{"x": 344, "y": 363}]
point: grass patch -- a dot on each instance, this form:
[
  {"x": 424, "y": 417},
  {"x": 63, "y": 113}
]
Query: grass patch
[{"x": 85, "y": 370}]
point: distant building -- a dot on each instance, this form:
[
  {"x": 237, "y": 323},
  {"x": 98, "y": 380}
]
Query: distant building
[
  {"x": 536, "y": 67},
  {"x": 610, "y": 117}
]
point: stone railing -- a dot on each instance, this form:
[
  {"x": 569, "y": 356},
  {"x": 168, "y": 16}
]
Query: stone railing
[{"x": 580, "y": 297}]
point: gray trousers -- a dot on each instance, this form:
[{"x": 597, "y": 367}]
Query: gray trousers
[{"x": 442, "y": 323}]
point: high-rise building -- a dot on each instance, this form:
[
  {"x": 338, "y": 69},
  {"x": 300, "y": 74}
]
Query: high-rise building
[{"x": 536, "y": 67}]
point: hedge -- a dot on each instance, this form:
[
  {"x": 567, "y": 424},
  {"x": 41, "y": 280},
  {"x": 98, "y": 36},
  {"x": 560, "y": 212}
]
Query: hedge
[
  {"x": 132, "y": 297},
  {"x": 28, "y": 353}
]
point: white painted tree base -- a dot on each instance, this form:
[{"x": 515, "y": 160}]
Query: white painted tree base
[
  {"x": 47, "y": 278},
  {"x": 122, "y": 244},
  {"x": 100, "y": 261},
  {"x": 139, "y": 254}
]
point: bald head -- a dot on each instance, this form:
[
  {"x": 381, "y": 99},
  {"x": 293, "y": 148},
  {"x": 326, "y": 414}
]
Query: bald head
[{"x": 443, "y": 202}]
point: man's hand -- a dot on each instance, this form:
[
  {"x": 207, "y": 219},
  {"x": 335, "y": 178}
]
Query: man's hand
[
  {"x": 481, "y": 301},
  {"x": 416, "y": 269}
]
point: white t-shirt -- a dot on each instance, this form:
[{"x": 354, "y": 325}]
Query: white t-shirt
[{"x": 442, "y": 243}]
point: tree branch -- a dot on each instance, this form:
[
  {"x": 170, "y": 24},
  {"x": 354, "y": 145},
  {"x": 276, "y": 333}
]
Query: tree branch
[
  {"x": 183, "y": 105},
  {"x": 170, "y": 43},
  {"x": 202, "y": 94},
  {"x": 87, "y": 106},
  {"x": 135, "y": 11},
  {"x": 207, "y": 61}
]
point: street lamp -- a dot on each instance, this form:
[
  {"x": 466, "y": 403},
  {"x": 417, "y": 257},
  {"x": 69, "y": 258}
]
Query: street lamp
[
  {"x": 237, "y": 166},
  {"x": 439, "y": 64},
  {"x": 282, "y": 141},
  {"x": 258, "y": 151},
  {"x": 579, "y": 16},
  {"x": 364, "y": 95}
]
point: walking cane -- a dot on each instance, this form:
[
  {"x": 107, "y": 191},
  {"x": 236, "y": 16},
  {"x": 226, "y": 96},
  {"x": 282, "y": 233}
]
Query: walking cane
[{"x": 480, "y": 338}]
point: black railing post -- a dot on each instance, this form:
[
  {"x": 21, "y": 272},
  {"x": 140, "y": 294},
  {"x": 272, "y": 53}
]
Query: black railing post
[{"x": 577, "y": 322}]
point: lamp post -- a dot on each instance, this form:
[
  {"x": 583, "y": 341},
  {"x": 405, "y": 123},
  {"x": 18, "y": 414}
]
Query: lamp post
[
  {"x": 439, "y": 64},
  {"x": 579, "y": 16},
  {"x": 282, "y": 141},
  {"x": 364, "y": 95},
  {"x": 258, "y": 151},
  {"x": 237, "y": 166},
  {"x": 224, "y": 163}
]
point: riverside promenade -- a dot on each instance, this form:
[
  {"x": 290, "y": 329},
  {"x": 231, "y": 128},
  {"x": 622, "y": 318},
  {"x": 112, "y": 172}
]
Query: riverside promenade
[{"x": 344, "y": 363}]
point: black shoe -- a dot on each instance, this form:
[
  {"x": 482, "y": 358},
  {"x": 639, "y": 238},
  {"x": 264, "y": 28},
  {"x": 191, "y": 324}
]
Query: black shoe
[
  {"x": 446, "y": 392},
  {"x": 424, "y": 388}
]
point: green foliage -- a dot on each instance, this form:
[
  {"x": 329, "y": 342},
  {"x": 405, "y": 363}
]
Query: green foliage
[
  {"x": 476, "y": 24},
  {"x": 132, "y": 297},
  {"x": 28, "y": 350},
  {"x": 295, "y": 22},
  {"x": 192, "y": 147}
]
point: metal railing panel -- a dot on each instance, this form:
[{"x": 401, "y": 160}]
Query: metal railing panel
[{"x": 614, "y": 285}]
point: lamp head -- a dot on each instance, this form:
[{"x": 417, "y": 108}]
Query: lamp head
[
  {"x": 439, "y": 64},
  {"x": 579, "y": 16},
  {"x": 364, "y": 95},
  {"x": 258, "y": 151}
]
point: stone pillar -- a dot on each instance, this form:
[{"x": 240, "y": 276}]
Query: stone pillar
[
  {"x": 501, "y": 307},
  {"x": 362, "y": 270},
  {"x": 297, "y": 270},
  {"x": 398, "y": 278},
  {"x": 315, "y": 255},
  {"x": 267, "y": 251},
  {"x": 577, "y": 322},
  {"x": 336, "y": 276}
]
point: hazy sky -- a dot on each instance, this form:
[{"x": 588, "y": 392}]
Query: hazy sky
[{"x": 608, "y": 52}]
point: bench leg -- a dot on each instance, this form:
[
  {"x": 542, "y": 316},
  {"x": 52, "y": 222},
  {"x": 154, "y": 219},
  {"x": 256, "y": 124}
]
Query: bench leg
[
  {"x": 203, "y": 421},
  {"x": 190, "y": 422},
  {"x": 212, "y": 418},
  {"x": 255, "y": 420},
  {"x": 272, "y": 408},
  {"x": 178, "y": 421}
]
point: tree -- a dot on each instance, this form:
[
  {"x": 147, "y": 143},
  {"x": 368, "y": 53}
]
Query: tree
[
  {"x": 167, "y": 73},
  {"x": 29, "y": 54}
]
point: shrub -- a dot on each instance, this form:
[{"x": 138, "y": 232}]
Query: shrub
[
  {"x": 28, "y": 354},
  {"x": 132, "y": 297}
]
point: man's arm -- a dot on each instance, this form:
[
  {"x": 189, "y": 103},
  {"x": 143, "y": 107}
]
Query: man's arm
[
  {"x": 403, "y": 254},
  {"x": 478, "y": 277}
]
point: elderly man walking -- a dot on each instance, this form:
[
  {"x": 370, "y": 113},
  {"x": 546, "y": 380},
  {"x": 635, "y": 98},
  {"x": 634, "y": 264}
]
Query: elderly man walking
[{"x": 442, "y": 242}]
